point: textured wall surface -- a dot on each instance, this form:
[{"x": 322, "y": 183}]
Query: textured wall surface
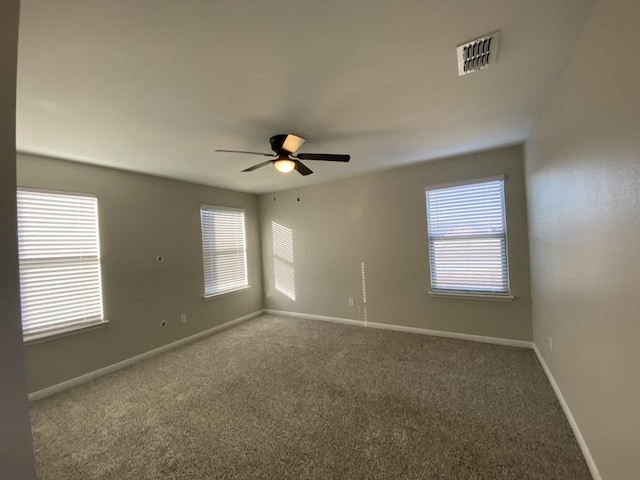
[
  {"x": 16, "y": 452},
  {"x": 140, "y": 218},
  {"x": 380, "y": 220},
  {"x": 583, "y": 185}
]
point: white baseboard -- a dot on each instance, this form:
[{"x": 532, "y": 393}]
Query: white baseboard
[
  {"x": 400, "y": 328},
  {"x": 307, "y": 316},
  {"x": 45, "y": 392},
  {"x": 572, "y": 422}
]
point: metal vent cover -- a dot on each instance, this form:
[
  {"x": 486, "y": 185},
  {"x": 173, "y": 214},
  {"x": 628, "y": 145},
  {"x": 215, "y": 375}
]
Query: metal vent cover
[{"x": 478, "y": 54}]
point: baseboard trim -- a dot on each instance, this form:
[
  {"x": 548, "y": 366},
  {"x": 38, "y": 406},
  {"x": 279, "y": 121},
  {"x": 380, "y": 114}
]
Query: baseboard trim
[
  {"x": 45, "y": 392},
  {"x": 572, "y": 422},
  {"x": 307, "y": 316},
  {"x": 399, "y": 328}
]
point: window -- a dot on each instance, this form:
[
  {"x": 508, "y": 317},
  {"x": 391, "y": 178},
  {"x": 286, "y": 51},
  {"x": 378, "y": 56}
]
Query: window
[
  {"x": 467, "y": 238},
  {"x": 59, "y": 255},
  {"x": 223, "y": 249}
]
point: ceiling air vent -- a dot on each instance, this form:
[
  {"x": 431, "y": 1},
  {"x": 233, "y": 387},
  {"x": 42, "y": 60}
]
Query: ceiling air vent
[{"x": 478, "y": 54}]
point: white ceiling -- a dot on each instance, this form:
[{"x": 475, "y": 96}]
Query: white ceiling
[{"x": 156, "y": 86}]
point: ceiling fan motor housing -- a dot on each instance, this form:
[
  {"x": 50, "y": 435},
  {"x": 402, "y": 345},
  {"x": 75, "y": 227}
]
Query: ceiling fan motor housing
[
  {"x": 286, "y": 144},
  {"x": 277, "y": 141}
]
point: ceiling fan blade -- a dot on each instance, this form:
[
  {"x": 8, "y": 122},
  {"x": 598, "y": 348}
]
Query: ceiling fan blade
[
  {"x": 250, "y": 153},
  {"x": 328, "y": 157},
  {"x": 302, "y": 168},
  {"x": 255, "y": 167},
  {"x": 292, "y": 143}
]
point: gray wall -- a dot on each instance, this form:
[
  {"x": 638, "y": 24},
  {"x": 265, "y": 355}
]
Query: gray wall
[
  {"x": 379, "y": 219},
  {"x": 140, "y": 218},
  {"x": 583, "y": 183},
  {"x": 16, "y": 451}
]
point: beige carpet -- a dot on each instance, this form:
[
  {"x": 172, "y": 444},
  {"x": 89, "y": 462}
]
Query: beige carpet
[{"x": 281, "y": 398}]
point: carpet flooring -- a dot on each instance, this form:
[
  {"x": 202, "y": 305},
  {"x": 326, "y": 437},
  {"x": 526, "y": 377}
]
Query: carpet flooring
[{"x": 282, "y": 398}]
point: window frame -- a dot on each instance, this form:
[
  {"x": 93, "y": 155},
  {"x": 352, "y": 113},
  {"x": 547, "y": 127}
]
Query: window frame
[
  {"x": 72, "y": 327},
  {"x": 471, "y": 294},
  {"x": 238, "y": 288}
]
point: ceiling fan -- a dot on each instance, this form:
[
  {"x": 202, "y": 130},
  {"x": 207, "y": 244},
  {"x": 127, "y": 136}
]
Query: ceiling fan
[{"x": 284, "y": 159}]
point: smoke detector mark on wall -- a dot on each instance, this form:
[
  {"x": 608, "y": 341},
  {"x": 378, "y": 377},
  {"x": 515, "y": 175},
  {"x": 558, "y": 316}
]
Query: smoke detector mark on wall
[{"x": 478, "y": 54}]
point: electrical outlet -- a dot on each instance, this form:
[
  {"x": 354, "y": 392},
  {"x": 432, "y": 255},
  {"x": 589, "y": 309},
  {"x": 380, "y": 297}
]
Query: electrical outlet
[
  {"x": 550, "y": 344},
  {"x": 351, "y": 302},
  {"x": 183, "y": 318}
]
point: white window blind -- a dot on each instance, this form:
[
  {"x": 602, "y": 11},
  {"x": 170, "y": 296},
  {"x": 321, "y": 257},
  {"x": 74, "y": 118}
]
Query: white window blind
[
  {"x": 59, "y": 255},
  {"x": 224, "y": 250},
  {"x": 467, "y": 238}
]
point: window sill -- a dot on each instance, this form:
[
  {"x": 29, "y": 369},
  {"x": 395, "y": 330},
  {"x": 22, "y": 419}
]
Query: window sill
[
  {"x": 64, "y": 332},
  {"x": 494, "y": 297},
  {"x": 225, "y": 293}
]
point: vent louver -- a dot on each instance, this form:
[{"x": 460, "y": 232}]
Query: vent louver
[{"x": 477, "y": 54}]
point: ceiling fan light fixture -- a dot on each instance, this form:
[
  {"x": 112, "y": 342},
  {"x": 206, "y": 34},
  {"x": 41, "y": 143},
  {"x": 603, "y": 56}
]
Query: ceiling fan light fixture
[
  {"x": 284, "y": 158},
  {"x": 284, "y": 165}
]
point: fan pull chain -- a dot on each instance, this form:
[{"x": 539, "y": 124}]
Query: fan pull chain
[
  {"x": 298, "y": 187},
  {"x": 273, "y": 177}
]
